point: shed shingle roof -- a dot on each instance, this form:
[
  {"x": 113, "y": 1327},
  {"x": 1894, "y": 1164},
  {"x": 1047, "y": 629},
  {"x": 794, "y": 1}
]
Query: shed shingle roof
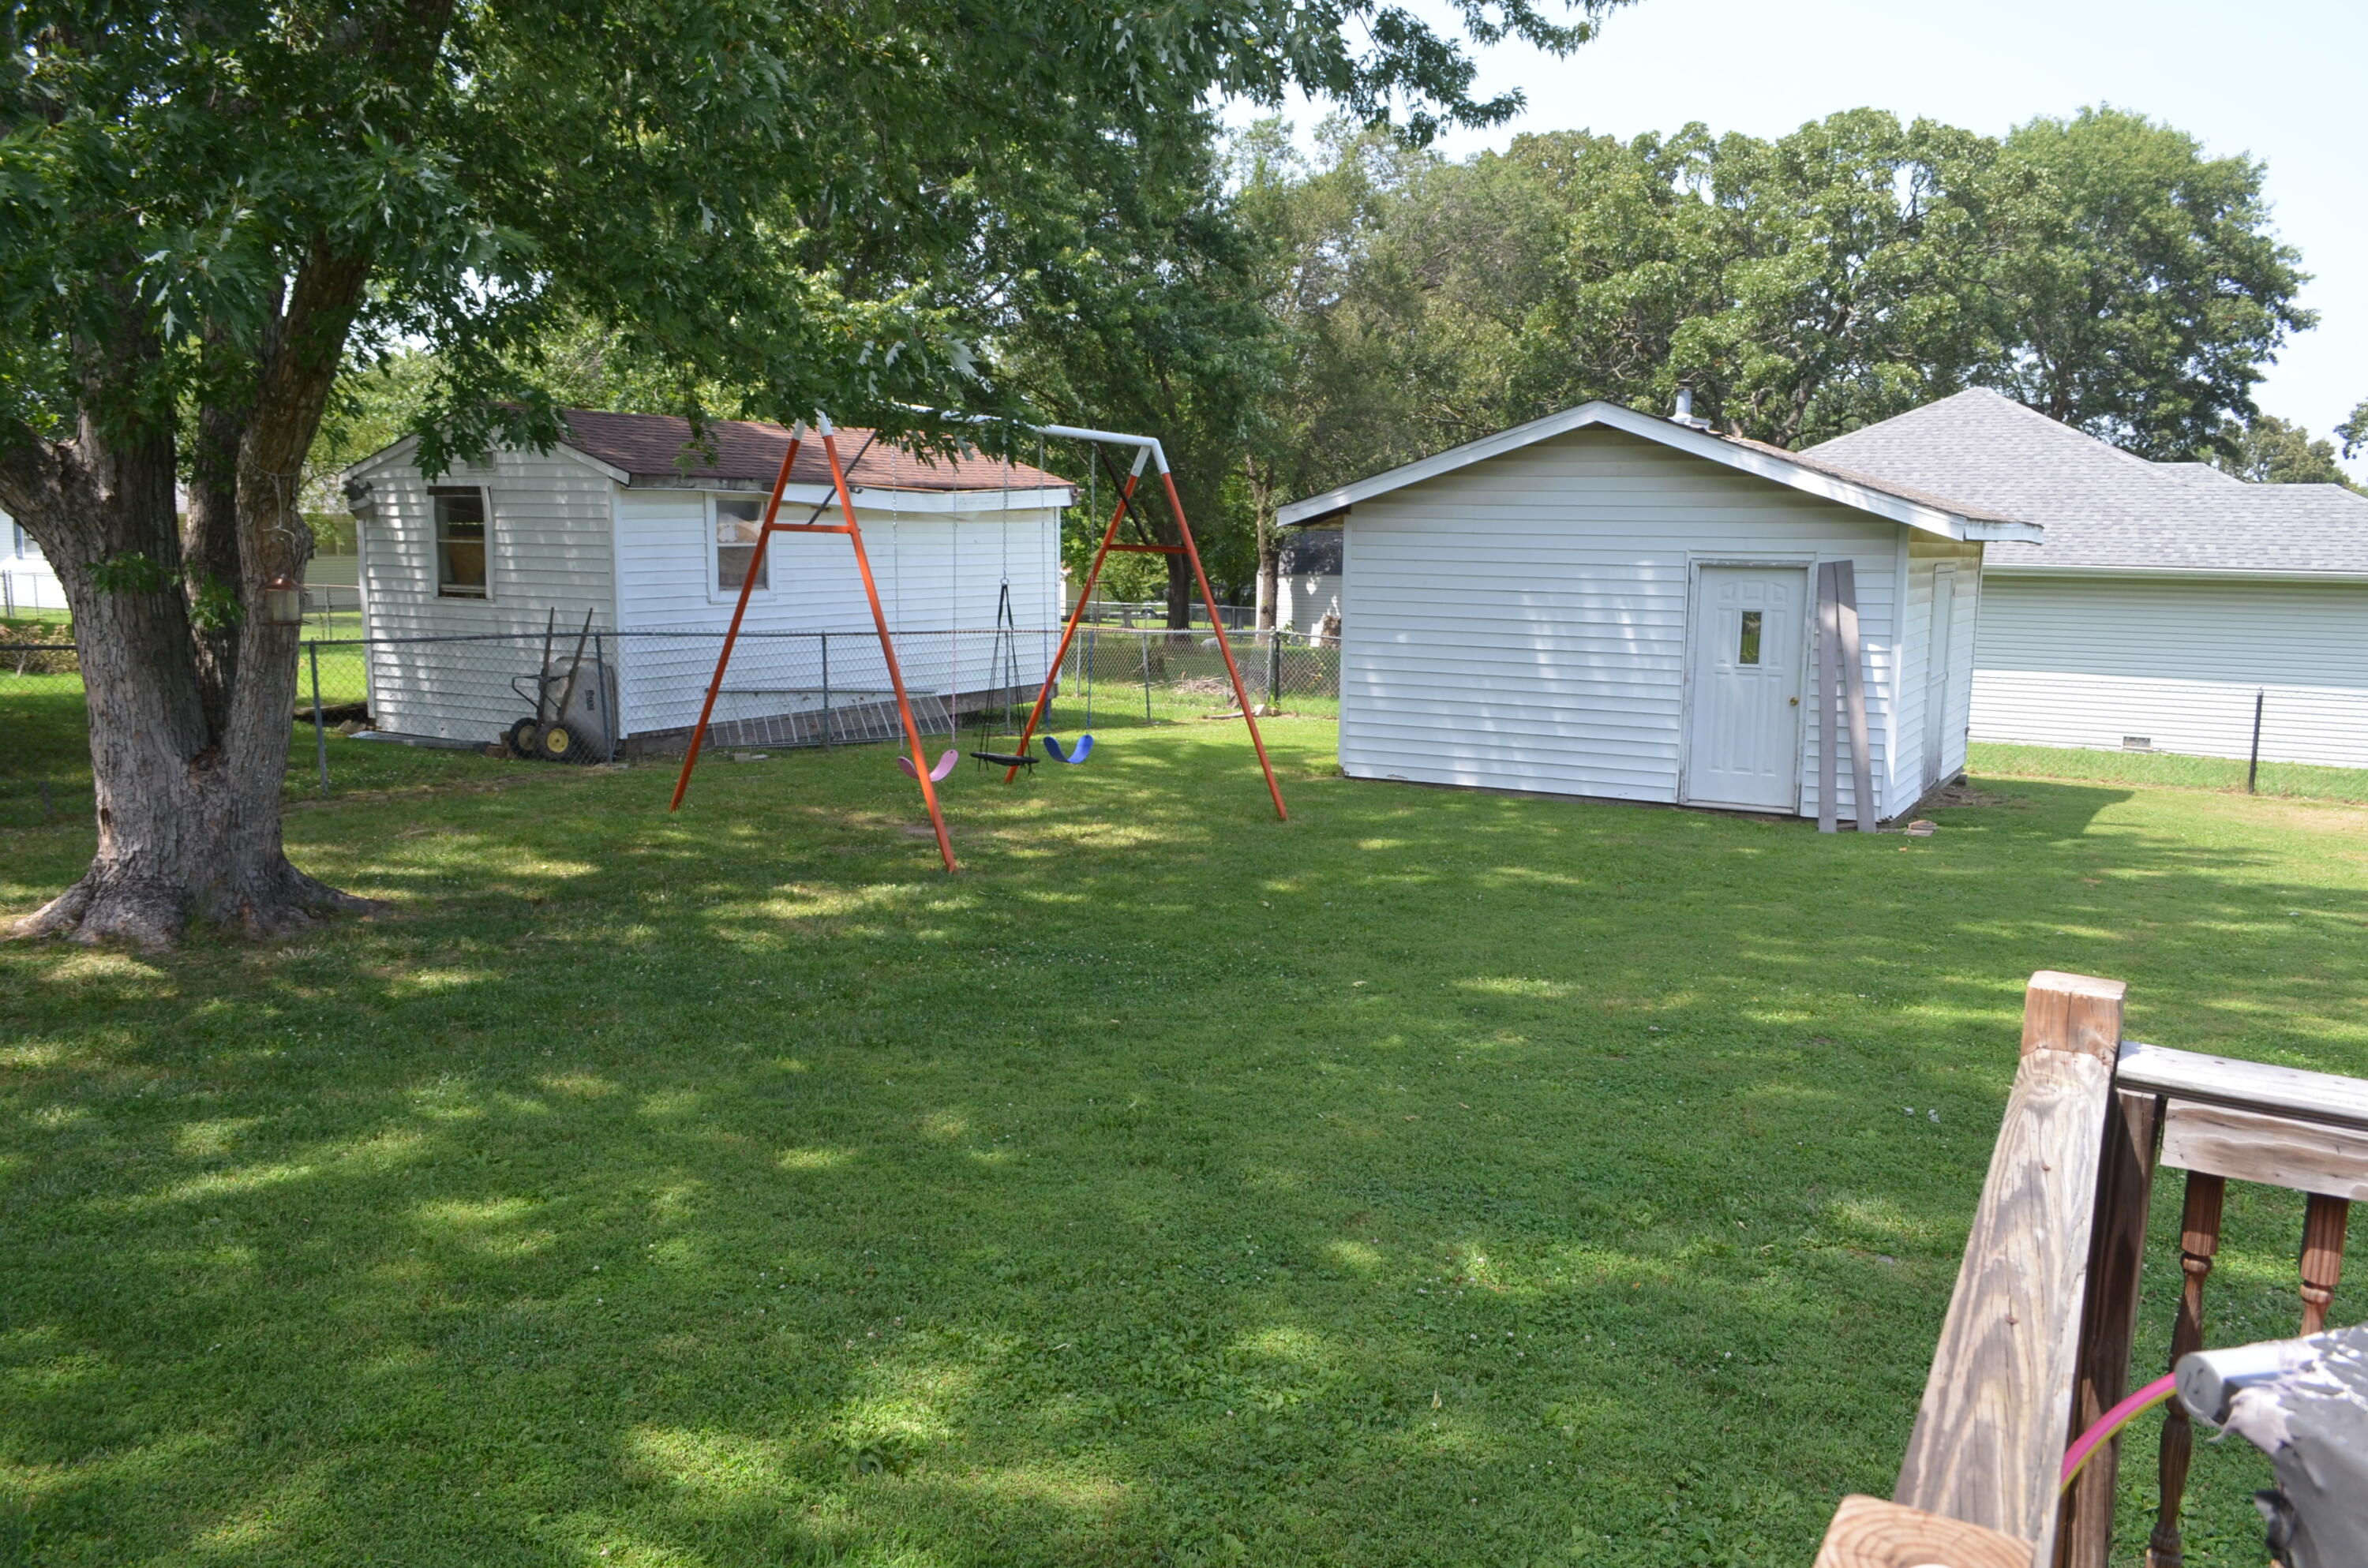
[
  {"x": 2104, "y": 508},
  {"x": 658, "y": 448}
]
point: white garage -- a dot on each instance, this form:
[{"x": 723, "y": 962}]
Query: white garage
[{"x": 1606, "y": 603}]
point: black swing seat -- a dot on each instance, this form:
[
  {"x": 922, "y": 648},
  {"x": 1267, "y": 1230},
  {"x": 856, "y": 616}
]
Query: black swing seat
[{"x": 1004, "y": 759}]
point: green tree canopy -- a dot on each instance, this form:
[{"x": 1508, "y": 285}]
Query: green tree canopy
[
  {"x": 2100, "y": 269},
  {"x": 2269, "y": 451},
  {"x": 208, "y": 211}
]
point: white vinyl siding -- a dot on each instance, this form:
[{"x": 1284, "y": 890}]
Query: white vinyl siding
[
  {"x": 1925, "y": 554},
  {"x": 548, "y": 548},
  {"x": 935, "y": 573},
  {"x": 27, "y": 580},
  {"x": 1304, "y": 600},
  {"x": 1521, "y": 623},
  {"x": 2096, "y": 660}
]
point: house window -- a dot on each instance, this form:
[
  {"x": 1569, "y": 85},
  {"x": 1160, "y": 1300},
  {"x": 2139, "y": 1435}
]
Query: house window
[
  {"x": 460, "y": 542},
  {"x": 737, "y": 524},
  {"x": 1747, "y": 651}
]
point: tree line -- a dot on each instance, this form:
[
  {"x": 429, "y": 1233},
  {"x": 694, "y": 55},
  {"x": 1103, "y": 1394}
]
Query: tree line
[{"x": 1292, "y": 319}]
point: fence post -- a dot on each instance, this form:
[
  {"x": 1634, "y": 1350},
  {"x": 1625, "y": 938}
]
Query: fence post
[
  {"x": 320, "y": 737},
  {"x": 1146, "y": 676},
  {"x": 826, "y": 691},
  {"x": 608, "y": 703},
  {"x": 2253, "y": 766},
  {"x": 1274, "y": 667}
]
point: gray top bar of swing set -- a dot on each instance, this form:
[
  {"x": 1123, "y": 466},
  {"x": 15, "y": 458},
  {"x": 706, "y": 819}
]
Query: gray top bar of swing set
[{"x": 1146, "y": 445}]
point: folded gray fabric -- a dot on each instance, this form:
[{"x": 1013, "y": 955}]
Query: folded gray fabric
[{"x": 2304, "y": 1403}]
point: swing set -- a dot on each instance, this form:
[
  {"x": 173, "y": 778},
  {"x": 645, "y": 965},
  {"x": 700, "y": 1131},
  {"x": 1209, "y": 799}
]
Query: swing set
[{"x": 915, "y": 762}]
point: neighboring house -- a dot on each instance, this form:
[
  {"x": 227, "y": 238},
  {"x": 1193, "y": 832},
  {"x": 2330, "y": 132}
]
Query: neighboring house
[
  {"x": 2167, "y": 598},
  {"x": 653, "y": 533},
  {"x": 1606, "y": 603},
  {"x": 1307, "y": 579},
  {"x": 26, "y": 580}
]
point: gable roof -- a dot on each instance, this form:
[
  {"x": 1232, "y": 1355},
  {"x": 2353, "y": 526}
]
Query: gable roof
[
  {"x": 1914, "y": 505},
  {"x": 656, "y": 451},
  {"x": 2105, "y": 510}
]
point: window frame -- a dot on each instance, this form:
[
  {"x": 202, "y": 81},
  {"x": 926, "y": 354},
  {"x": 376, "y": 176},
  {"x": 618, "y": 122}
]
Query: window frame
[
  {"x": 716, "y": 592},
  {"x": 436, "y": 542}
]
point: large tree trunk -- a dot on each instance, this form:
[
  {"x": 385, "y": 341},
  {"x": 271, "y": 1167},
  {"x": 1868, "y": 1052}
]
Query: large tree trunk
[{"x": 190, "y": 715}]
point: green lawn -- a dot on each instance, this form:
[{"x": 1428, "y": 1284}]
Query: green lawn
[
  {"x": 1437, "y": 1178},
  {"x": 2295, "y": 779}
]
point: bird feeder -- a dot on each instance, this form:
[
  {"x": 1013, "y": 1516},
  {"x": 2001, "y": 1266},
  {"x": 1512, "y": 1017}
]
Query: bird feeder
[{"x": 283, "y": 602}]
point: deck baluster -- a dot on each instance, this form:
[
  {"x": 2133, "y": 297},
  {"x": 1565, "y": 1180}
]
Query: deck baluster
[
  {"x": 2198, "y": 1239},
  {"x": 2323, "y": 1225}
]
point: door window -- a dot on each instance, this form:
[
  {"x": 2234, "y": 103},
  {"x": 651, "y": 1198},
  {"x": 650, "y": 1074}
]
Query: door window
[{"x": 1746, "y": 650}]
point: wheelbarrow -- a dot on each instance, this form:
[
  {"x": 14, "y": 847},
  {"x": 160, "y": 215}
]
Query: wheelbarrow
[{"x": 570, "y": 722}]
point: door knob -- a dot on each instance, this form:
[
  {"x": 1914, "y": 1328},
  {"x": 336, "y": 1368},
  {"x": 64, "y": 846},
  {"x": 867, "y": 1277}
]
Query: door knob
[{"x": 1796, "y": 702}]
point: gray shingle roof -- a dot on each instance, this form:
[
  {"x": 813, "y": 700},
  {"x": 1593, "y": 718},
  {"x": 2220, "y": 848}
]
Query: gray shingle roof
[{"x": 2101, "y": 507}]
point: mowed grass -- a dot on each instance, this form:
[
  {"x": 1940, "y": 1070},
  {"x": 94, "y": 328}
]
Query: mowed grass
[
  {"x": 2152, "y": 770},
  {"x": 1438, "y": 1178}
]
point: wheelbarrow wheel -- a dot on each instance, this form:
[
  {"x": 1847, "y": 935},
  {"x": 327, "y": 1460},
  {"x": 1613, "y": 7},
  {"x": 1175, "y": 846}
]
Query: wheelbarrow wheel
[
  {"x": 557, "y": 743},
  {"x": 522, "y": 738}
]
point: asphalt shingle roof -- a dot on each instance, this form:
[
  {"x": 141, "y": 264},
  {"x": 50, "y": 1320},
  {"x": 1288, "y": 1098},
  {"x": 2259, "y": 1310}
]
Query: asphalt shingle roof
[
  {"x": 658, "y": 448},
  {"x": 2100, "y": 506}
]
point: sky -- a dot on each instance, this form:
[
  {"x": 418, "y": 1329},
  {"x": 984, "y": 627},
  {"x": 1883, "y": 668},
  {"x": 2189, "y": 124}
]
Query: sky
[{"x": 2280, "y": 81}]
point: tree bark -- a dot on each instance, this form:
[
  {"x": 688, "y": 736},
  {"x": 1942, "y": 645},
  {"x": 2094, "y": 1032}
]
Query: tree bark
[{"x": 190, "y": 722}]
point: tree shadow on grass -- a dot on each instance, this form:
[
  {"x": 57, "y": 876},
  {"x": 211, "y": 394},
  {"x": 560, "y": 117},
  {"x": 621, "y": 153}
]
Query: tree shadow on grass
[{"x": 1433, "y": 1178}]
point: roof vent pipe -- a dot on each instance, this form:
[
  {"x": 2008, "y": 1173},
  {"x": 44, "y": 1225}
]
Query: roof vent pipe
[{"x": 1685, "y": 413}]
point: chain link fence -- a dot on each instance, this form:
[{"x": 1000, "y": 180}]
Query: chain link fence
[{"x": 388, "y": 712}]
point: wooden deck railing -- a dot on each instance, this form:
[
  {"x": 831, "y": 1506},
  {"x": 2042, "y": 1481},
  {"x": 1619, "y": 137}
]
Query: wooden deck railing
[{"x": 2037, "y": 1340}]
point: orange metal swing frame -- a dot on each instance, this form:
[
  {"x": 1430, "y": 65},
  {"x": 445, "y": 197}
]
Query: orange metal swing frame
[
  {"x": 854, "y": 531},
  {"x": 1148, "y": 451}
]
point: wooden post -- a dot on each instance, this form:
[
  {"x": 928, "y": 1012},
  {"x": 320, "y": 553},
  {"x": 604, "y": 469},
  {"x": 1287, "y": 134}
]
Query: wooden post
[
  {"x": 1854, "y": 696},
  {"x": 2109, "y": 1321},
  {"x": 2323, "y": 1223},
  {"x": 1868, "y": 1532},
  {"x": 1991, "y": 1431},
  {"x": 2199, "y": 1238},
  {"x": 1829, "y": 664}
]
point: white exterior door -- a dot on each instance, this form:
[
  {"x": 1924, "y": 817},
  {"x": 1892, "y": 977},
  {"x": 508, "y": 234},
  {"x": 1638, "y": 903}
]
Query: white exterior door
[
  {"x": 1937, "y": 667},
  {"x": 1743, "y": 710}
]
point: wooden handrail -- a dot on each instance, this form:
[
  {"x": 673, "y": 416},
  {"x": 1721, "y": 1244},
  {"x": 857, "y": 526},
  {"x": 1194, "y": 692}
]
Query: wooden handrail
[
  {"x": 2289, "y": 1092},
  {"x": 1995, "y": 1420},
  {"x": 2037, "y": 1340}
]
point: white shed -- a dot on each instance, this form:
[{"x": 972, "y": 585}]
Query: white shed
[
  {"x": 1307, "y": 580},
  {"x": 1605, "y": 603},
  {"x": 651, "y": 530},
  {"x": 2171, "y": 604},
  {"x": 26, "y": 579}
]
